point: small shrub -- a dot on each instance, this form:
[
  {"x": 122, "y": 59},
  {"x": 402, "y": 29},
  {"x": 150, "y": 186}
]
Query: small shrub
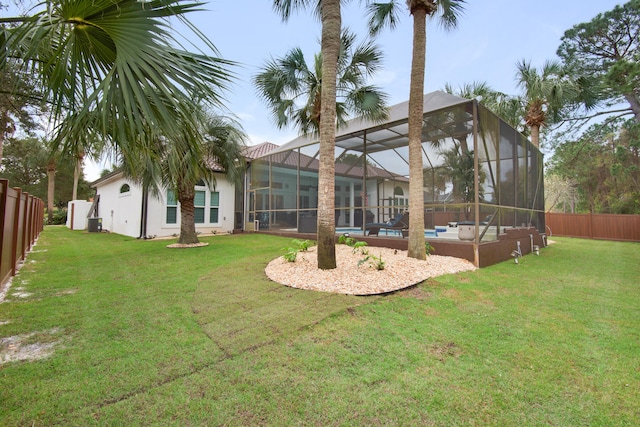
[
  {"x": 290, "y": 255},
  {"x": 59, "y": 217},
  {"x": 303, "y": 245},
  {"x": 346, "y": 240},
  {"x": 354, "y": 243},
  {"x": 428, "y": 248},
  {"x": 375, "y": 261},
  {"x": 361, "y": 246}
]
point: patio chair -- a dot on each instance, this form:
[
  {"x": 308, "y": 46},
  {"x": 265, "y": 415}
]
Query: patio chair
[{"x": 399, "y": 223}]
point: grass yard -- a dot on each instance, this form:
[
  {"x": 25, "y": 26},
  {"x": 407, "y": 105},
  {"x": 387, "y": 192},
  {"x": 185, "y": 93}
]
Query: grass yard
[{"x": 144, "y": 335}]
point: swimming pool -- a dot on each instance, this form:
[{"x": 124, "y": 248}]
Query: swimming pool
[{"x": 383, "y": 232}]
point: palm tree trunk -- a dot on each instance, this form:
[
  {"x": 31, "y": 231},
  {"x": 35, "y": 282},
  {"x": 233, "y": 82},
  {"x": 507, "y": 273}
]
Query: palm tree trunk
[
  {"x": 535, "y": 135},
  {"x": 51, "y": 186},
  {"x": 331, "y": 25},
  {"x": 186, "y": 197},
  {"x": 416, "y": 247},
  {"x": 76, "y": 175}
]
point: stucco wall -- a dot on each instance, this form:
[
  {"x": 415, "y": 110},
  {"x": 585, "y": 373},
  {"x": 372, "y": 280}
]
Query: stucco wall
[
  {"x": 77, "y": 211},
  {"x": 157, "y": 218},
  {"x": 120, "y": 212}
]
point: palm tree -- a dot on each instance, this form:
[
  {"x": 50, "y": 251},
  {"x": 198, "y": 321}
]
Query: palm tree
[
  {"x": 292, "y": 89},
  {"x": 545, "y": 93},
  {"x": 479, "y": 91},
  {"x": 381, "y": 15},
  {"x": 112, "y": 67},
  {"x": 77, "y": 170},
  {"x": 221, "y": 149},
  {"x": 180, "y": 162},
  {"x": 52, "y": 167},
  {"x": 331, "y": 19}
]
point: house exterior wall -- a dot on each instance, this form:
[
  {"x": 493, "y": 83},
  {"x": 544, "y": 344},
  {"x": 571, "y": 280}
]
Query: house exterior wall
[
  {"x": 121, "y": 211},
  {"x": 77, "y": 211},
  {"x": 157, "y": 218}
]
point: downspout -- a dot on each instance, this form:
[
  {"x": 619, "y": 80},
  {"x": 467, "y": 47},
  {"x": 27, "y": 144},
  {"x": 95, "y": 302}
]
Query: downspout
[
  {"x": 143, "y": 212},
  {"x": 146, "y": 212}
]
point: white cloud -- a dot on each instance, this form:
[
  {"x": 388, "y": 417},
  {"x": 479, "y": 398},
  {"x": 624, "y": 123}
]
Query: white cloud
[{"x": 92, "y": 170}]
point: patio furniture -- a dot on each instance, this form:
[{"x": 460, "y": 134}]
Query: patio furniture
[{"x": 399, "y": 223}]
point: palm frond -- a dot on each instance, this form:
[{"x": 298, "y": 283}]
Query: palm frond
[
  {"x": 114, "y": 65},
  {"x": 292, "y": 90},
  {"x": 448, "y": 12},
  {"x": 382, "y": 15},
  {"x": 285, "y": 7}
]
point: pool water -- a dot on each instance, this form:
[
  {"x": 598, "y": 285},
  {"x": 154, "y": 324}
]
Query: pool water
[{"x": 383, "y": 232}]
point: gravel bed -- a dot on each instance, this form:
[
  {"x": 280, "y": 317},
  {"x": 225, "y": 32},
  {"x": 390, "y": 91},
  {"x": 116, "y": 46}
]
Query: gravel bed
[{"x": 399, "y": 272}]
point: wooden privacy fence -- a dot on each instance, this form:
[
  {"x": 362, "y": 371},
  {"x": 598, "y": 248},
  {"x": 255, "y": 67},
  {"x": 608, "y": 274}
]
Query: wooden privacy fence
[
  {"x": 594, "y": 226},
  {"x": 21, "y": 221}
]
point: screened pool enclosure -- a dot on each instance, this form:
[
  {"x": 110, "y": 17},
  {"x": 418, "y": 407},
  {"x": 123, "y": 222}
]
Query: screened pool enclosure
[{"x": 478, "y": 171}]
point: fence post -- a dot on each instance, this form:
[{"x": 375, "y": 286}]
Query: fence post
[
  {"x": 15, "y": 232},
  {"x": 5, "y": 272},
  {"x": 25, "y": 226}
]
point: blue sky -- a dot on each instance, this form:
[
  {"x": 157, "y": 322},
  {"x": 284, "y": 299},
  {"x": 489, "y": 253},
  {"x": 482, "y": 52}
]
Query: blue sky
[{"x": 492, "y": 35}]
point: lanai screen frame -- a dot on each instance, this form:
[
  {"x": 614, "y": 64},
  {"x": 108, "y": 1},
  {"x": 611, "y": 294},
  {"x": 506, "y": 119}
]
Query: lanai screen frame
[{"x": 507, "y": 175}]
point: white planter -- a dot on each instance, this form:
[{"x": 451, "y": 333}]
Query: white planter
[{"x": 466, "y": 231}]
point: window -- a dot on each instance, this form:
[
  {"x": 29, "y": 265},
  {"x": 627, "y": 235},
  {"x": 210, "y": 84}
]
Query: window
[
  {"x": 199, "y": 204},
  {"x": 206, "y": 207},
  {"x": 400, "y": 202},
  {"x": 172, "y": 208},
  {"x": 125, "y": 188},
  {"x": 215, "y": 205}
]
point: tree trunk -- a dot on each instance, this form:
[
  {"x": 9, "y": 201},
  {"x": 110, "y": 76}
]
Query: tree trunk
[
  {"x": 631, "y": 99},
  {"x": 51, "y": 186},
  {"x": 4, "y": 121},
  {"x": 331, "y": 26},
  {"x": 1, "y": 143},
  {"x": 416, "y": 110},
  {"x": 535, "y": 136},
  {"x": 186, "y": 197},
  {"x": 76, "y": 175}
]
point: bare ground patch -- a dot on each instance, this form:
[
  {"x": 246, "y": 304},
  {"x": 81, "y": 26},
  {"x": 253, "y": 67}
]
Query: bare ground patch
[{"x": 31, "y": 346}]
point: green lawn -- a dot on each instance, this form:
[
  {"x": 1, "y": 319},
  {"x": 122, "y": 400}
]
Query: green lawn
[{"x": 146, "y": 335}]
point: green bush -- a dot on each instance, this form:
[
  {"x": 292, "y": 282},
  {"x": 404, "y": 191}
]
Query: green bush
[{"x": 59, "y": 217}]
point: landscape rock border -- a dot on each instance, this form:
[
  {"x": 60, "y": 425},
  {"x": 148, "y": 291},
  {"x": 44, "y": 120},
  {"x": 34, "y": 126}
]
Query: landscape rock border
[{"x": 399, "y": 272}]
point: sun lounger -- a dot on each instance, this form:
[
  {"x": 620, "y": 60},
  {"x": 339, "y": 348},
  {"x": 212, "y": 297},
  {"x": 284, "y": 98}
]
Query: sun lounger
[{"x": 400, "y": 223}]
